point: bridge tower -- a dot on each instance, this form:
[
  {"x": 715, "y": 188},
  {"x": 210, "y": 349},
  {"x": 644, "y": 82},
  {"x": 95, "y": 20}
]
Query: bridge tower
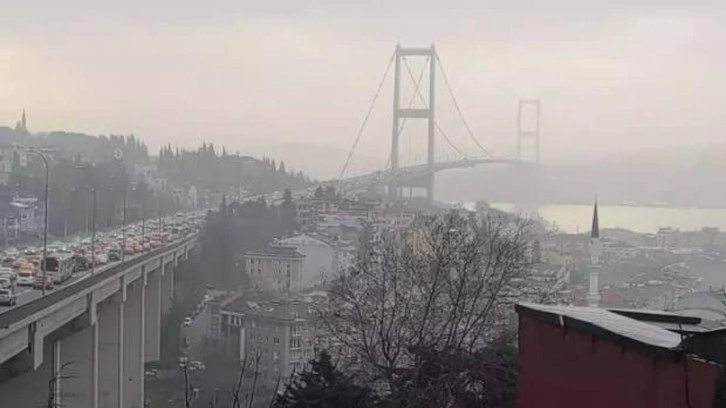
[
  {"x": 427, "y": 113},
  {"x": 530, "y": 134}
]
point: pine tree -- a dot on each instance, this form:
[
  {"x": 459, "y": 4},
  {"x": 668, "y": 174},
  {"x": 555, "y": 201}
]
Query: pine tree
[
  {"x": 281, "y": 169},
  {"x": 323, "y": 386}
]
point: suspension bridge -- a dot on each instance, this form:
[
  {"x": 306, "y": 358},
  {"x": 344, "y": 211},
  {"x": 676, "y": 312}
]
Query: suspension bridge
[{"x": 396, "y": 176}]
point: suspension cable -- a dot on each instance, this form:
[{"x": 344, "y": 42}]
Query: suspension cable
[
  {"x": 453, "y": 146},
  {"x": 436, "y": 124},
  {"x": 458, "y": 109},
  {"x": 368, "y": 115}
]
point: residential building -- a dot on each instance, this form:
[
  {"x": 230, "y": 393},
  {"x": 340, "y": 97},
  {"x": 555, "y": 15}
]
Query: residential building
[
  {"x": 11, "y": 157},
  {"x": 306, "y": 215},
  {"x": 707, "y": 304},
  {"x": 275, "y": 269},
  {"x": 321, "y": 258},
  {"x": 27, "y": 208},
  {"x": 573, "y": 357},
  {"x": 282, "y": 336}
]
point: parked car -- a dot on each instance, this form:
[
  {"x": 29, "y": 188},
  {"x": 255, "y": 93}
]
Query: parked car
[
  {"x": 187, "y": 321},
  {"x": 7, "y": 297},
  {"x": 5, "y": 283},
  {"x": 197, "y": 365}
]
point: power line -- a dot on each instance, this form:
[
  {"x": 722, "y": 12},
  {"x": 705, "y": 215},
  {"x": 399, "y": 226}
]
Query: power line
[
  {"x": 368, "y": 115},
  {"x": 458, "y": 109}
]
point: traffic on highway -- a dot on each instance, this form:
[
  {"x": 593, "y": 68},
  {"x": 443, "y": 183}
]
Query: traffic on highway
[{"x": 69, "y": 261}]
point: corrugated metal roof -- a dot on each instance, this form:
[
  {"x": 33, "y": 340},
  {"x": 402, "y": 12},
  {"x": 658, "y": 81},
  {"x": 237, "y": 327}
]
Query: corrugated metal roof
[{"x": 622, "y": 326}]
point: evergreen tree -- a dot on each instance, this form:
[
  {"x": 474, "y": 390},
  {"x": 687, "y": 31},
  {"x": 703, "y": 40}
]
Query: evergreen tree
[
  {"x": 323, "y": 386},
  {"x": 281, "y": 169},
  {"x": 288, "y": 212}
]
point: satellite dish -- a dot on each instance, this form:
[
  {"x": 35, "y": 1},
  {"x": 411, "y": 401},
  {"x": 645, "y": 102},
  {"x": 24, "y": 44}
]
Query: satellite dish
[{"x": 118, "y": 154}]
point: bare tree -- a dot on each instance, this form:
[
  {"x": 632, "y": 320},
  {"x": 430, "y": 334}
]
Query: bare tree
[{"x": 445, "y": 284}]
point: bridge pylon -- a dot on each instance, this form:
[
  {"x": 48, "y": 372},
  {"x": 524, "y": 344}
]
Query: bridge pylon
[
  {"x": 531, "y": 134},
  {"x": 400, "y": 114}
]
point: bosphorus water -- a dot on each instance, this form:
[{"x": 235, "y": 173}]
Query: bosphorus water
[{"x": 574, "y": 218}]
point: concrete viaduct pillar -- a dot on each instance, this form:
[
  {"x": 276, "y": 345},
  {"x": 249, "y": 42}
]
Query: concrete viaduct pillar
[
  {"x": 133, "y": 346},
  {"x": 97, "y": 359},
  {"x": 152, "y": 322},
  {"x": 167, "y": 286},
  {"x": 111, "y": 350}
]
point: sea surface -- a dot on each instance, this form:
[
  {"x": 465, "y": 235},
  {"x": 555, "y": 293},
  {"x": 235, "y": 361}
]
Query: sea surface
[{"x": 578, "y": 218}]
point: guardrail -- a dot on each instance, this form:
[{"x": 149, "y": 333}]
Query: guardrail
[{"x": 19, "y": 313}]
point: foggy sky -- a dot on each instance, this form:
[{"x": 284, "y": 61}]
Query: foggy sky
[{"x": 611, "y": 76}]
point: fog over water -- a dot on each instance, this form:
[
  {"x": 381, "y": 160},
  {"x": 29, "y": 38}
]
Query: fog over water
[{"x": 576, "y": 218}]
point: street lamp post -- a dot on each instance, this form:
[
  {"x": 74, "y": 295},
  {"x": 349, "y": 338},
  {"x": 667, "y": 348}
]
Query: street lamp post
[
  {"x": 143, "y": 221},
  {"x": 93, "y": 233},
  {"x": 43, "y": 265},
  {"x": 123, "y": 228}
]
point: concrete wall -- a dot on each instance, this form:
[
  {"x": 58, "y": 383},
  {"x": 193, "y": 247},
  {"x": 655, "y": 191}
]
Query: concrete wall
[{"x": 320, "y": 262}]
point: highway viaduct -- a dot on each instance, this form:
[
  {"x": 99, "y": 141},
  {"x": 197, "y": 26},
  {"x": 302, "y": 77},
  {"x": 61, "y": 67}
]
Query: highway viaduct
[{"x": 100, "y": 330}]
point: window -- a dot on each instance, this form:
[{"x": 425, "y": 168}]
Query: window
[
  {"x": 295, "y": 330},
  {"x": 295, "y": 343},
  {"x": 276, "y": 340}
]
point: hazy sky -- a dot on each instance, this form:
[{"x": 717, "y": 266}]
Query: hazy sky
[{"x": 611, "y": 75}]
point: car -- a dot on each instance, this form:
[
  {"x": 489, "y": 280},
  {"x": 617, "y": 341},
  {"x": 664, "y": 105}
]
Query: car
[
  {"x": 38, "y": 282},
  {"x": 197, "y": 365},
  {"x": 114, "y": 255},
  {"x": 30, "y": 251},
  {"x": 7, "y": 297},
  {"x": 101, "y": 259},
  {"x": 7, "y": 261},
  {"x": 187, "y": 321},
  {"x": 5, "y": 282},
  {"x": 25, "y": 277}
]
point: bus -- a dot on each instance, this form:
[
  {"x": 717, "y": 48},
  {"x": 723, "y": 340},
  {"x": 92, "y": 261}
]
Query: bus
[{"x": 60, "y": 267}]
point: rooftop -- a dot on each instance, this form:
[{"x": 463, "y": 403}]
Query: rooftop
[
  {"x": 605, "y": 324},
  {"x": 276, "y": 251},
  {"x": 302, "y": 240},
  {"x": 650, "y": 332},
  {"x": 285, "y": 310}
]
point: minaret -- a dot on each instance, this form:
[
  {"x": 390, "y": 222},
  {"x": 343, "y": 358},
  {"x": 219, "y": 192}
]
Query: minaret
[
  {"x": 22, "y": 125},
  {"x": 593, "y": 296}
]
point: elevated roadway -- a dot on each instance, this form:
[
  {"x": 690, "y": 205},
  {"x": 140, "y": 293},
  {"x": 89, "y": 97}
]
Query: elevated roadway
[{"x": 84, "y": 344}]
